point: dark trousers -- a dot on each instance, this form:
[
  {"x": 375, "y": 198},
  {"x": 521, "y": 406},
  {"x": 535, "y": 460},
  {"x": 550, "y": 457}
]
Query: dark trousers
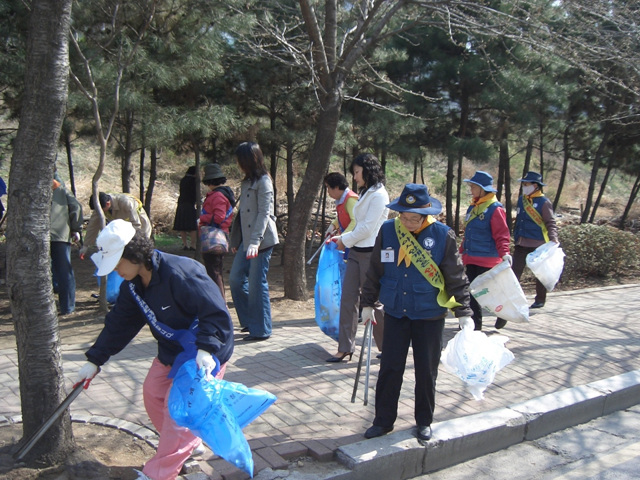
[
  {"x": 425, "y": 336},
  {"x": 519, "y": 262},
  {"x": 473, "y": 271},
  {"x": 213, "y": 264},
  {"x": 62, "y": 276}
]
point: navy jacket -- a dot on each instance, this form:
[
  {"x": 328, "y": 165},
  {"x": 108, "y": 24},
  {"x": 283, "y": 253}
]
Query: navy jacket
[{"x": 179, "y": 292}]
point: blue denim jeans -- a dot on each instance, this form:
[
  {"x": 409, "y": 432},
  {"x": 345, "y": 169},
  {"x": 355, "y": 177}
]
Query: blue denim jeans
[
  {"x": 63, "y": 277},
  {"x": 250, "y": 291}
]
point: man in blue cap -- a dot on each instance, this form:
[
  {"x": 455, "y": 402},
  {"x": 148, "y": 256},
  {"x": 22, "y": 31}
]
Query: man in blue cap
[
  {"x": 486, "y": 236},
  {"x": 535, "y": 226},
  {"x": 417, "y": 274}
]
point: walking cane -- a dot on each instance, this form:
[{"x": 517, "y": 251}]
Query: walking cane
[
  {"x": 364, "y": 342},
  {"x": 366, "y": 374}
]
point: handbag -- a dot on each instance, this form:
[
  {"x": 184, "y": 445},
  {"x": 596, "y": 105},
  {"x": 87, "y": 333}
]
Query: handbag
[{"x": 213, "y": 239}]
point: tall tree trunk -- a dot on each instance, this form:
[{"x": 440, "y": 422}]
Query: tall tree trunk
[
  {"x": 505, "y": 165},
  {"x": 67, "y": 146},
  {"x": 541, "y": 135},
  {"x": 632, "y": 198},
  {"x": 565, "y": 165},
  {"x": 141, "y": 181},
  {"x": 295, "y": 281},
  {"x": 153, "y": 175},
  {"x": 28, "y": 235},
  {"x": 451, "y": 159},
  {"x": 594, "y": 174},
  {"x": 127, "y": 151},
  {"x": 527, "y": 162},
  {"x": 458, "y": 194},
  {"x": 603, "y": 187},
  {"x": 274, "y": 156}
]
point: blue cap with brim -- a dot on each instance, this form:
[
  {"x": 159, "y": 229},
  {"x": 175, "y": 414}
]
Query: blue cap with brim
[{"x": 415, "y": 198}]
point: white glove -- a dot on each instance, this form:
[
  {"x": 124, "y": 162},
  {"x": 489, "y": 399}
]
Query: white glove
[
  {"x": 467, "y": 322},
  {"x": 508, "y": 258},
  {"x": 209, "y": 362},
  {"x": 83, "y": 252},
  {"x": 75, "y": 237},
  {"x": 252, "y": 251},
  {"x": 367, "y": 315},
  {"x": 330, "y": 230},
  {"x": 86, "y": 374}
]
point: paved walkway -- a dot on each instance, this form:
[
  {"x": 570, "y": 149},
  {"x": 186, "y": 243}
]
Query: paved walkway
[{"x": 577, "y": 338}]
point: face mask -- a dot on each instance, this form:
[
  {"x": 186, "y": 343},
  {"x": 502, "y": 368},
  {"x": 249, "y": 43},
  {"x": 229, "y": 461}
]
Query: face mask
[{"x": 529, "y": 189}]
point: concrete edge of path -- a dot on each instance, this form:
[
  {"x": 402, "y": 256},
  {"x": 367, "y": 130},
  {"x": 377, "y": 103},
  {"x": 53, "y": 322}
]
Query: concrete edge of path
[{"x": 400, "y": 455}]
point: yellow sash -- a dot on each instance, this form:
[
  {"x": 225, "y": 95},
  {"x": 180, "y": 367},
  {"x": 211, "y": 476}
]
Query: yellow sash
[
  {"x": 534, "y": 214},
  {"x": 479, "y": 209},
  {"x": 412, "y": 251}
]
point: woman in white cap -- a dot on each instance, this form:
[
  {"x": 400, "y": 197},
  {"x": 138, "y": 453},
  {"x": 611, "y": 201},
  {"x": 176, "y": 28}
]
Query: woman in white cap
[
  {"x": 417, "y": 274},
  {"x": 535, "y": 226},
  {"x": 486, "y": 236},
  {"x": 186, "y": 314}
]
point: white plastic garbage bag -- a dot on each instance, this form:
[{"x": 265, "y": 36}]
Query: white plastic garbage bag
[
  {"x": 499, "y": 292},
  {"x": 476, "y": 358},
  {"x": 546, "y": 262}
]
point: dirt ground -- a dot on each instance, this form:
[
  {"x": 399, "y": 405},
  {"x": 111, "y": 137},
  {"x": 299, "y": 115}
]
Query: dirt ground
[{"x": 107, "y": 453}]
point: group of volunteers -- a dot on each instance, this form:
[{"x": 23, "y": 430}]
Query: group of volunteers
[
  {"x": 405, "y": 273},
  {"x": 402, "y": 274}
]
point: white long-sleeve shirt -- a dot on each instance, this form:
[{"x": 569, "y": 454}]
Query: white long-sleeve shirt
[{"x": 370, "y": 213}]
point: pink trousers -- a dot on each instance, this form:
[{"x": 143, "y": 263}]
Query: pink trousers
[{"x": 175, "y": 443}]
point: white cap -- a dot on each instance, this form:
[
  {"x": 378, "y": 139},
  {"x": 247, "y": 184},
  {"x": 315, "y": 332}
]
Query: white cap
[{"x": 111, "y": 242}]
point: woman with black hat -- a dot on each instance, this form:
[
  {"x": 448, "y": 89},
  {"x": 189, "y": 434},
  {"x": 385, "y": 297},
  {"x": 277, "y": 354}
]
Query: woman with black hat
[
  {"x": 486, "y": 236},
  {"x": 217, "y": 210},
  {"x": 535, "y": 226},
  {"x": 417, "y": 274}
]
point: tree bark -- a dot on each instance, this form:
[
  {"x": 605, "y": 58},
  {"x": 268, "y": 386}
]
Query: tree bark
[
  {"x": 295, "y": 282},
  {"x": 565, "y": 166},
  {"x": 632, "y": 198},
  {"x": 594, "y": 174},
  {"x": 28, "y": 231},
  {"x": 603, "y": 187}
]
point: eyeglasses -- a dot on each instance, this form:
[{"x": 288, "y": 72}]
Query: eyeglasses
[{"x": 417, "y": 220}]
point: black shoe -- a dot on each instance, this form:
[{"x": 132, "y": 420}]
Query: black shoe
[
  {"x": 376, "y": 431},
  {"x": 251, "y": 338},
  {"x": 339, "y": 358},
  {"x": 537, "y": 305},
  {"x": 244, "y": 329},
  {"x": 424, "y": 432},
  {"x": 379, "y": 355},
  {"x": 185, "y": 247},
  {"x": 500, "y": 323}
]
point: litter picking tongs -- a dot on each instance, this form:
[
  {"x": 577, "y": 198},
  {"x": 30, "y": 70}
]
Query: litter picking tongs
[
  {"x": 77, "y": 388},
  {"x": 366, "y": 341}
]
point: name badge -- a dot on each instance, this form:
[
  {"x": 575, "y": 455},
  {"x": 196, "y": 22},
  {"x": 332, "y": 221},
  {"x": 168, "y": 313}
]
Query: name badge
[{"x": 387, "y": 256}]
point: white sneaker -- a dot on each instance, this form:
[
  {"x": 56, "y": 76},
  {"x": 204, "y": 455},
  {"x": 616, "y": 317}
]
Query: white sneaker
[
  {"x": 141, "y": 476},
  {"x": 199, "y": 450}
]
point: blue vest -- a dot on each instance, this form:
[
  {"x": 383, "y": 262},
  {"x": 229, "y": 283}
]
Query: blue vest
[
  {"x": 525, "y": 226},
  {"x": 478, "y": 240},
  {"x": 404, "y": 291}
]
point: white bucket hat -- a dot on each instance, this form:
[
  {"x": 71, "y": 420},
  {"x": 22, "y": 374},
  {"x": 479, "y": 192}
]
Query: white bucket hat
[{"x": 111, "y": 242}]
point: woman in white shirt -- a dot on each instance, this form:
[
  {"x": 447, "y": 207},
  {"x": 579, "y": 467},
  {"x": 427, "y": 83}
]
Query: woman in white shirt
[{"x": 370, "y": 212}]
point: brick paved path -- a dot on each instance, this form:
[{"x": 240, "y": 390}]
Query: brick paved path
[{"x": 577, "y": 338}]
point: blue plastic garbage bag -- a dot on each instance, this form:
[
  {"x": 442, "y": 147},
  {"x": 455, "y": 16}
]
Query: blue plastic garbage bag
[
  {"x": 216, "y": 411},
  {"x": 328, "y": 289},
  {"x": 113, "y": 285}
]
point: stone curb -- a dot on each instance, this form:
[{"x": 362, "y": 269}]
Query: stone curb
[{"x": 400, "y": 455}]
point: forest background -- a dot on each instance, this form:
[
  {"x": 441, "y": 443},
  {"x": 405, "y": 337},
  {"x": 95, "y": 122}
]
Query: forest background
[{"x": 435, "y": 89}]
